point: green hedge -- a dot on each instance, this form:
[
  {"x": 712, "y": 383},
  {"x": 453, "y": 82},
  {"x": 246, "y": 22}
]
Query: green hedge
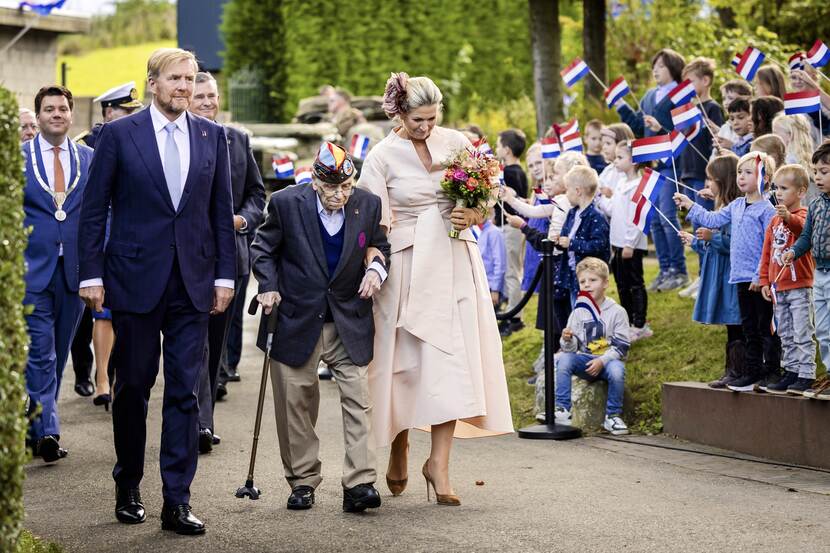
[{"x": 14, "y": 340}]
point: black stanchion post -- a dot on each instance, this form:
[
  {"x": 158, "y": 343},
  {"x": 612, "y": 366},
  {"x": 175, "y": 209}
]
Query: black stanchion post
[{"x": 550, "y": 430}]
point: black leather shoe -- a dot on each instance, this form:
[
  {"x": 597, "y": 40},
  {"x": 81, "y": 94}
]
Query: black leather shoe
[
  {"x": 181, "y": 520},
  {"x": 128, "y": 506},
  {"x": 221, "y": 391},
  {"x": 232, "y": 375},
  {"x": 216, "y": 439},
  {"x": 205, "y": 440},
  {"x": 302, "y": 497},
  {"x": 49, "y": 449},
  {"x": 360, "y": 498},
  {"x": 84, "y": 388}
]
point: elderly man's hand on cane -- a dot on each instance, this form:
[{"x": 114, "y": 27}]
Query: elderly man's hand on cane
[{"x": 269, "y": 300}]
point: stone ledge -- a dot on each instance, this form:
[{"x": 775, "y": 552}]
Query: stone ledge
[
  {"x": 11, "y": 17},
  {"x": 789, "y": 429}
]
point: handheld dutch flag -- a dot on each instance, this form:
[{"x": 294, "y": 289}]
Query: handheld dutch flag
[
  {"x": 574, "y": 72},
  {"x": 818, "y": 55},
  {"x": 751, "y": 60},
  {"x": 572, "y": 142},
  {"x": 651, "y": 148},
  {"x": 796, "y": 61},
  {"x": 501, "y": 174},
  {"x": 483, "y": 147},
  {"x": 692, "y": 132},
  {"x": 283, "y": 167},
  {"x": 616, "y": 91},
  {"x": 585, "y": 300},
  {"x": 360, "y": 146},
  {"x": 686, "y": 116},
  {"x": 644, "y": 197},
  {"x": 678, "y": 144},
  {"x": 550, "y": 148},
  {"x": 761, "y": 173},
  {"x": 736, "y": 60},
  {"x": 303, "y": 175},
  {"x": 42, "y": 8},
  {"x": 568, "y": 128},
  {"x": 682, "y": 93},
  {"x": 802, "y": 102}
]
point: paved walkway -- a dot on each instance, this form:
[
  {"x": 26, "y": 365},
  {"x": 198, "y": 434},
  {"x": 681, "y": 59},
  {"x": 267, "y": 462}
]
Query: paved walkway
[{"x": 585, "y": 495}]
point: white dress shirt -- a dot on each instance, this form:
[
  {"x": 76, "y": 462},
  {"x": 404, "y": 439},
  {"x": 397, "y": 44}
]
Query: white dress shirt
[
  {"x": 333, "y": 221},
  {"x": 48, "y": 157},
  {"x": 182, "y": 138}
]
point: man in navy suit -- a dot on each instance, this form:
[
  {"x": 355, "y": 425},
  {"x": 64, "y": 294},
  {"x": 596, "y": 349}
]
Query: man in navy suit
[
  {"x": 169, "y": 263},
  {"x": 56, "y": 175}
]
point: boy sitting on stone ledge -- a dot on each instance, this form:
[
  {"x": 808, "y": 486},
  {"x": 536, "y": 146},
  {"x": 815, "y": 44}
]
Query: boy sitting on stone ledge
[{"x": 594, "y": 345}]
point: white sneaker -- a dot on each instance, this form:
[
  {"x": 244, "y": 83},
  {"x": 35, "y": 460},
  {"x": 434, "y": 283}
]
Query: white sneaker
[
  {"x": 562, "y": 416},
  {"x": 540, "y": 417},
  {"x": 640, "y": 333},
  {"x": 690, "y": 289},
  {"x": 615, "y": 426}
]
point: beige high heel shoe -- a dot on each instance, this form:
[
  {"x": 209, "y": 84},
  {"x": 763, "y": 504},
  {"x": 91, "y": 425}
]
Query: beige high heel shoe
[
  {"x": 397, "y": 487},
  {"x": 441, "y": 499}
]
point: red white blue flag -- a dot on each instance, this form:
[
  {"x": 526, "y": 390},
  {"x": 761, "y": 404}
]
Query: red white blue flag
[
  {"x": 736, "y": 60},
  {"x": 644, "y": 197},
  {"x": 682, "y": 93},
  {"x": 550, "y": 148},
  {"x": 572, "y": 142},
  {"x": 42, "y": 8},
  {"x": 818, "y": 55},
  {"x": 678, "y": 144},
  {"x": 686, "y": 116},
  {"x": 360, "y": 146},
  {"x": 761, "y": 173},
  {"x": 802, "y": 102},
  {"x": 584, "y": 300},
  {"x": 568, "y": 128},
  {"x": 483, "y": 147},
  {"x": 574, "y": 72},
  {"x": 751, "y": 60},
  {"x": 616, "y": 91},
  {"x": 303, "y": 175},
  {"x": 283, "y": 167},
  {"x": 796, "y": 61},
  {"x": 692, "y": 132},
  {"x": 501, "y": 174},
  {"x": 651, "y": 148}
]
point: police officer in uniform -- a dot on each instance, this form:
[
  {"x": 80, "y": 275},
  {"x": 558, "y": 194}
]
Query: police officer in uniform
[{"x": 116, "y": 103}]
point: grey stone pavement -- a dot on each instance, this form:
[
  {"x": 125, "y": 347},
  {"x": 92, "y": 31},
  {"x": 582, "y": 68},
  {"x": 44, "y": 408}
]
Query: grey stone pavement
[{"x": 586, "y": 495}]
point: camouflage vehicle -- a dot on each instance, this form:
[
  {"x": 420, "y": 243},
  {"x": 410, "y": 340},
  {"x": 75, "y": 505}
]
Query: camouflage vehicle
[{"x": 276, "y": 143}]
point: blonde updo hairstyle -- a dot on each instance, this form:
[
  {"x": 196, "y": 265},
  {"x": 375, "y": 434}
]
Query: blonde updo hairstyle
[{"x": 404, "y": 94}]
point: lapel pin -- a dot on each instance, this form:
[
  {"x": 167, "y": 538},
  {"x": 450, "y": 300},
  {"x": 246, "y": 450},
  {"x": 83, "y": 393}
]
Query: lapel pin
[
  {"x": 356, "y": 211},
  {"x": 204, "y": 134}
]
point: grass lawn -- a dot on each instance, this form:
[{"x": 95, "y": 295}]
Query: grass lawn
[
  {"x": 93, "y": 73},
  {"x": 680, "y": 350}
]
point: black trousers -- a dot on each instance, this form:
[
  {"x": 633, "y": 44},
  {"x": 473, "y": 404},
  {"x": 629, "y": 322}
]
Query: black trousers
[
  {"x": 631, "y": 286},
  {"x": 135, "y": 356},
  {"x": 763, "y": 348},
  {"x": 81, "y": 349}
]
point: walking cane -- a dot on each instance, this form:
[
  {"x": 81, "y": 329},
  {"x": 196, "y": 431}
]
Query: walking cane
[{"x": 249, "y": 490}]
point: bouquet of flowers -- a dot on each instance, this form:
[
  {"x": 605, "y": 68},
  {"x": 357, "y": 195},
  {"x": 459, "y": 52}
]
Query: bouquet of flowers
[{"x": 469, "y": 180}]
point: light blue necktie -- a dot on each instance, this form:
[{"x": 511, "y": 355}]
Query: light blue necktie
[{"x": 172, "y": 165}]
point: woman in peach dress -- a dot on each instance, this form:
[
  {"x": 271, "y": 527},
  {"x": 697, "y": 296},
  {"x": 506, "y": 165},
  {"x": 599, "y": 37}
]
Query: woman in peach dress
[{"x": 438, "y": 356}]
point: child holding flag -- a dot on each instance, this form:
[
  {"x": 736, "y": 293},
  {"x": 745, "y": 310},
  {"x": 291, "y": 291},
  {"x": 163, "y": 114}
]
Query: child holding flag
[
  {"x": 594, "y": 345},
  {"x": 655, "y": 118},
  {"x": 612, "y": 135},
  {"x": 789, "y": 286},
  {"x": 717, "y": 299},
  {"x": 814, "y": 238},
  {"x": 628, "y": 244},
  {"x": 593, "y": 145},
  {"x": 730, "y": 90},
  {"x": 740, "y": 120},
  {"x": 750, "y": 215}
]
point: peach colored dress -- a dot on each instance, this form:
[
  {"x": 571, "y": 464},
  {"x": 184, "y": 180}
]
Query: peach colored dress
[{"x": 438, "y": 354}]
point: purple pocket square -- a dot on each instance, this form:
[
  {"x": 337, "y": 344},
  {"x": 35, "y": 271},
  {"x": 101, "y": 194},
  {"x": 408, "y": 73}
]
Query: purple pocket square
[{"x": 361, "y": 240}]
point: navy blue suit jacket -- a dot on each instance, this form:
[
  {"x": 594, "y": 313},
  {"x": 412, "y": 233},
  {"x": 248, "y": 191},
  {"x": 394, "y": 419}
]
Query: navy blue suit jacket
[
  {"x": 147, "y": 234},
  {"x": 43, "y": 248}
]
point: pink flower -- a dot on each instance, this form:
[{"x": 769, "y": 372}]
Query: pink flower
[
  {"x": 472, "y": 183},
  {"x": 459, "y": 175}
]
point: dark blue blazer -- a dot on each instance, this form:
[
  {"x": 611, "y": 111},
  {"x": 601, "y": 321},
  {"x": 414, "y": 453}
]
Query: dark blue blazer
[
  {"x": 147, "y": 234},
  {"x": 592, "y": 239},
  {"x": 48, "y": 233}
]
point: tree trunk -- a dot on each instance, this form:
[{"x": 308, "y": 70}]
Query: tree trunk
[
  {"x": 593, "y": 45},
  {"x": 546, "y": 53}
]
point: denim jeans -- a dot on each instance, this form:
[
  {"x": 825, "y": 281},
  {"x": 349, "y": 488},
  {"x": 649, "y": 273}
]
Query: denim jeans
[
  {"x": 821, "y": 302},
  {"x": 574, "y": 364},
  {"x": 669, "y": 248}
]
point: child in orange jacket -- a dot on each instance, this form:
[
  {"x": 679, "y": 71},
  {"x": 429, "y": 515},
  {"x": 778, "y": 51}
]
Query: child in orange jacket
[{"x": 790, "y": 286}]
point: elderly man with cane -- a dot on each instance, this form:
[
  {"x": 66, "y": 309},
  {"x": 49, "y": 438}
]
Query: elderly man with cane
[{"x": 310, "y": 259}]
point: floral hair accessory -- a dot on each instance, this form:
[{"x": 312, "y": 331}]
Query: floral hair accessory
[{"x": 394, "y": 96}]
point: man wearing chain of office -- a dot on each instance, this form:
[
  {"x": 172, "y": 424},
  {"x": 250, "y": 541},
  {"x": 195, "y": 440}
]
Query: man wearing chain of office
[{"x": 56, "y": 171}]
